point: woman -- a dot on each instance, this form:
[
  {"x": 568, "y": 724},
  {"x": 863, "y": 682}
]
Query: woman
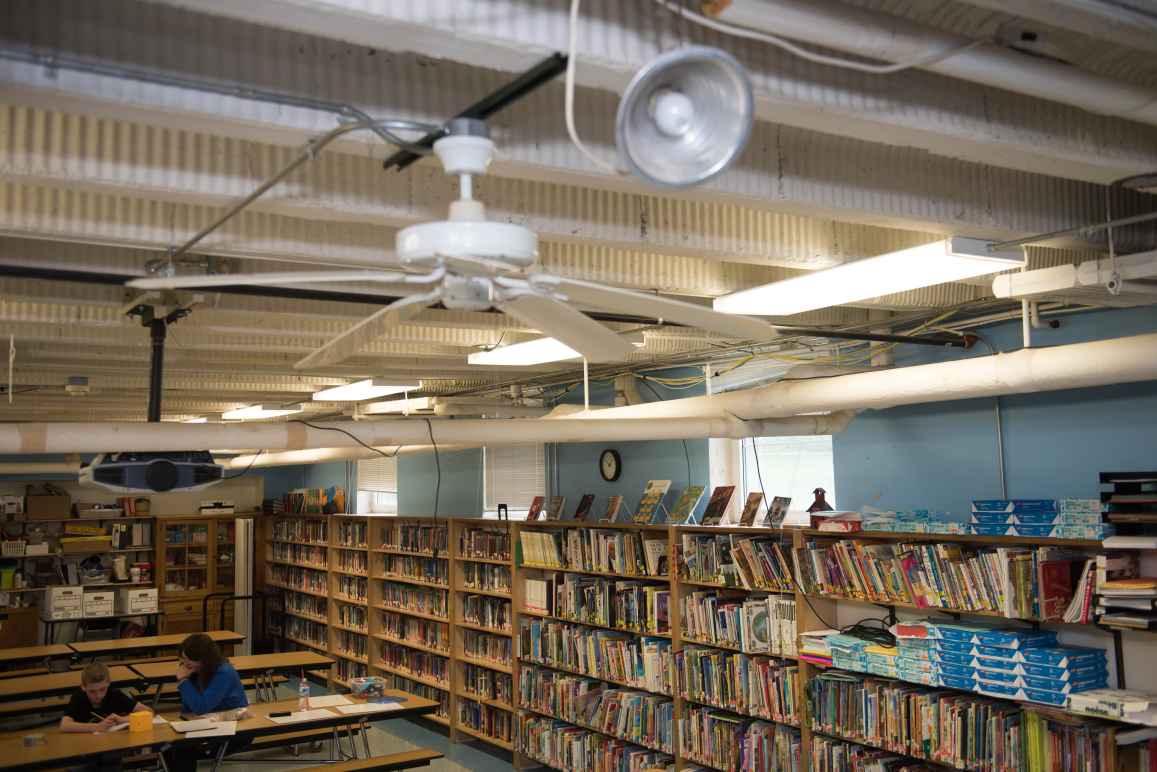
[{"x": 208, "y": 683}]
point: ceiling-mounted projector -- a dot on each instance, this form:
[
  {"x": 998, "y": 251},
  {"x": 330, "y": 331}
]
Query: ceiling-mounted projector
[{"x": 189, "y": 470}]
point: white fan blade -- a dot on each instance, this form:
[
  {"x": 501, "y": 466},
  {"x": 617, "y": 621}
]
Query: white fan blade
[
  {"x": 264, "y": 279},
  {"x": 366, "y": 331},
  {"x": 569, "y": 325},
  {"x": 626, "y": 301}
]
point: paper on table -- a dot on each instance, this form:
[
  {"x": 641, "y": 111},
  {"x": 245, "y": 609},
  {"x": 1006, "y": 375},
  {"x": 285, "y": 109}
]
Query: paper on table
[
  {"x": 220, "y": 729},
  {"x": 117, "y": 727},
  {"x": 369, "y": 707},
  {"x": 159, "y": 720},
  {"x": 302, "y": 715},
  {"x": 329, "y": 701},
  {"x": 196, "y": 725}
]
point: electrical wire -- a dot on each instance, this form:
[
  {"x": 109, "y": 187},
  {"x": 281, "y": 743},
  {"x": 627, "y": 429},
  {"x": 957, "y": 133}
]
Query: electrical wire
[
  {"x": 568, "y": 99},
  {"x": 762, "y": 37},
  {"x": 686, "y": 452},
  {"x": 437, "y": 467},
  {"x": 244, "y": 471},
  {"x": 352, "y": 436}
]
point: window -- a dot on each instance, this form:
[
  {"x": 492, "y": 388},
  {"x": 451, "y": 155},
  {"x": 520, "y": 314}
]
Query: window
[
  {"x": 513, "y": 475},
  {"x": 377, "y": 486},
  {"x": 789, "y": 466}
]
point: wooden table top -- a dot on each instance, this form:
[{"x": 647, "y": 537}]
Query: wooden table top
[
  {"x": 47, "y": 684},
  {"x": 145, "y": 643},
  {"x": 59, "y": 747},
  {"x": 244, "y": 664},
  {"x": 32, "y": 653}
]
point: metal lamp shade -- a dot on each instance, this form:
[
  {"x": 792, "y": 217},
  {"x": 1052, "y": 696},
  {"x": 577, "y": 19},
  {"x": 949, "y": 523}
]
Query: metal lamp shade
[{"x": 716, "y": 94}]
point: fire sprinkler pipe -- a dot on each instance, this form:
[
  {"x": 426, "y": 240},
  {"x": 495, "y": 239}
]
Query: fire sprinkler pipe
[{"x": 893, "y": 39}]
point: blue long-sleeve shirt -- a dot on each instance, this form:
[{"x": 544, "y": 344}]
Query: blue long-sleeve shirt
[{"x": 223, "y": 692}]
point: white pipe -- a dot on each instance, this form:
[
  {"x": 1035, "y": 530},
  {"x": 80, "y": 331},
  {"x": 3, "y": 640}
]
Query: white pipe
[
  {"x": 319, "y": 455},
  {"x": 1078, "y": 365},
  {"x": 893, "y": 39},
  {"x": 1074, "y": 366},
  {"x": 143, "y": 437},
  {"x": 34, "y": 467}
]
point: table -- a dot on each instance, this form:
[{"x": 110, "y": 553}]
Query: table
[
  {"x": 50, "y": 684},
  {"x": 144, "y": 643},
  {"x": 33, "y": 653},
  {"x": 50, "y": 624},
  {"x": 60, "y": 748},
  {"x": 261, "y": 666}
]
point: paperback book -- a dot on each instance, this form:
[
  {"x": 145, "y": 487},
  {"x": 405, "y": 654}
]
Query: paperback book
[
  {"x": 652, "y": 499},
  {"x": 535, "y": 510},
  {"x": 555, "y": 508},
  {"x": 684, "y": 508},
  {"x": 751, "y": 508},
  {"x": 614, "y": 505},
  {"x": 717, "y": 505},
  {"x": 584, "y": 508},
  {"x": 777, "y": 511}
]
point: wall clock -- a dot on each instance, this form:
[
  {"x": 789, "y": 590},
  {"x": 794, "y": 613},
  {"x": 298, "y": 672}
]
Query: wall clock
[{"x": 610, "y": 465}]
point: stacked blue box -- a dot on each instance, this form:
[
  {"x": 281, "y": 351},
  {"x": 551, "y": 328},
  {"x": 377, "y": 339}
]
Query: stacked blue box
[
  {"x": 914, "y": 521},
  {"x": 849, "y": 652},
  {"x": 1039, "y": 518}
]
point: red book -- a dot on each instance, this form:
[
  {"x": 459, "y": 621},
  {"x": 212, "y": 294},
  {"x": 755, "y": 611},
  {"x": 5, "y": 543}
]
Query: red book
[
  {"x": 1055, "y": 584},
  {"x": 535, "y": 508},
  {"x": 1088, "y": 601}
]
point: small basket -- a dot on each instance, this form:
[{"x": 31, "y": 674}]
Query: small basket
[{"x": 13, "y": 549}]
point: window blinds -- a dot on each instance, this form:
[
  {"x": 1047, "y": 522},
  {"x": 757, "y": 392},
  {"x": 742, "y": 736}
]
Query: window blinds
[
  {"x": 514, "y": 475},
  {"x": 378, "y": 474}
]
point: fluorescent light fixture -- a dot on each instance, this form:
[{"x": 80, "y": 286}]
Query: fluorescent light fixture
[
  {"x": 253, "y": 412},
  {"x": 952, "y": 259},
  {"x": 362, "y": 390},
  {"x": 198, "y": 420},
  {"x": 411, "y": 405},
  {"x": 534, "y": 352}
]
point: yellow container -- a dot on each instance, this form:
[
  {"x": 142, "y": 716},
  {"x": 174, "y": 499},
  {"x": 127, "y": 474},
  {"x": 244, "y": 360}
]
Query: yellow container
[{"x": 141, "y": 721}]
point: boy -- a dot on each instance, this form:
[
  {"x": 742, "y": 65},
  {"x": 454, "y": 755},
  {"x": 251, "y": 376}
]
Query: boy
[{"x": 95, "y": 707}]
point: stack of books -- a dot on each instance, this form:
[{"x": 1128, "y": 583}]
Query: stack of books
[
  {"x": 725, "y": 741},
  {"x": 1011, "y": 664},
  {"x": 561, "y": 745},
  {"x": 1039, "y": 518},
  {"x": 736, "y": 561},
  {"x": 644, "y": 663},
  {"x": 1125, "y": 599},
  {"x": 913, "y": 521},
  {"x": 754, "y": 686}
]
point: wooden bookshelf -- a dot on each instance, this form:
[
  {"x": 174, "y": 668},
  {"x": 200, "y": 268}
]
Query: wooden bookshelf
[{"x": 471, "y": 571}]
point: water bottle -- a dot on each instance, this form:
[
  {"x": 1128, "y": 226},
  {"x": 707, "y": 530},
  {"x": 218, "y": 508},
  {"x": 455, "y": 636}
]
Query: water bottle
[{"x": 303, "y": 693}]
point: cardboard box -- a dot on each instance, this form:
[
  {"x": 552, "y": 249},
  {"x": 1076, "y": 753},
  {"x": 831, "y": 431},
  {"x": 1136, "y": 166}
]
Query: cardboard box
[
  {"x": 63, "y": 603},
  {"x": 137, "y": 600},
  {"x": 47, "y": 507},
  {"x": 85, "y": 545},
  {"x": 100, "y": 603}
]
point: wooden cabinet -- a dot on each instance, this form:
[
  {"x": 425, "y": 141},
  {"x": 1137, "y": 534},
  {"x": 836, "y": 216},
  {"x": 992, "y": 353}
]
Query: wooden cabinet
[{"x": 196, "y": 556}]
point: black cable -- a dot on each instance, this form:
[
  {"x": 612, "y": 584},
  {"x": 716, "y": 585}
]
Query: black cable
[
  {"x": 244, "y": 471},
  {"x": 759, "y": 476},
  {"x": 353, "y": 437},
  {"x": 437, "y": 470}
]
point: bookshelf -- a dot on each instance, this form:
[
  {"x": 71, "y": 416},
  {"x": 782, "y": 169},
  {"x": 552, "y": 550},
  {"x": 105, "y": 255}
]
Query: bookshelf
[{"x": 432, "y": 618}]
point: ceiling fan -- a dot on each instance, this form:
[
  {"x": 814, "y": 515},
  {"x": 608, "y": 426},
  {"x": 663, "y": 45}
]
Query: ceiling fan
[{"x": 469, "y": 263}]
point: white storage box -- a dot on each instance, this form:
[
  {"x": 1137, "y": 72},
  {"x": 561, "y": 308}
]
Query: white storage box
[
  {"x": 63, "y": 603},
  {"x": 100, "y": 604},
  {"x": 137, "y": 601}
]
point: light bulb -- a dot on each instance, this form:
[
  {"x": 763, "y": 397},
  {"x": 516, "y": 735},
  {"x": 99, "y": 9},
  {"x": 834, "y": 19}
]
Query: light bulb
[{"x": 673, "y": 112}]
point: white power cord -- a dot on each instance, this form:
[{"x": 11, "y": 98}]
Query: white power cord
[
  {"x": 571, "y": 61},
  {"x": 835, "y": 61}
]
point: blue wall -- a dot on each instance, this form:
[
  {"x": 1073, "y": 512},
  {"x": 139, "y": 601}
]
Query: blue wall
[
  {"x": 460, "y": 493},
  {"x": 576, "y": 471},
  {"x": 940, "y": 456}
]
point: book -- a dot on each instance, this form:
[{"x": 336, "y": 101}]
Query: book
[
  {"x": 614, "y": 504},
  {"x": 1078, "y": 608},
  {"x": 777, "y": 512},
  {"x": 535, "y": 510},
  {"x": 1130, "y": 543},
  {"x": 684, "y": 508},
  {"x": 750, "y": 508},
  {"x": 555, "y": 508},
  {"x": 652, "y": 497},
  {"x": 584, "y": 508},
  {"x": 655, "y": 552},
  {"x": 717, "y": 505},
  {"x": 1142, "y": 586},
  {"x": 1055, "y": 588}
]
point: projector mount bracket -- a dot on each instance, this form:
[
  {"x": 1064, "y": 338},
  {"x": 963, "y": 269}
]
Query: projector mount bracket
[{"x": 158, "y": 327}]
